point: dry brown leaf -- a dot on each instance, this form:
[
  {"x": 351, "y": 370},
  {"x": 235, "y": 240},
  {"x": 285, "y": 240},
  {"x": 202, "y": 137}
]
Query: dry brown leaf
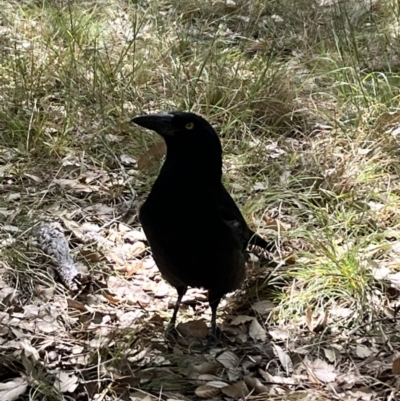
[
  {"x": 394, "y": 280},
  {"x": 256, "y": 331},
  {"x": 133, "y": 268},
  {"x": 228, "y": 359},
  {"x": 362, "y": 394},
  {"x": 322, "y": 370},
  {"x": 206, "y": 378},
  {"x": 291, "y": 259},
  {"x": 91, "y": 256},
  {"x": 309, "y": 322},
  {"x": 13, "y": 389},
  {"x": 66, "y": 183},
  {"x": 279, "y": 333},
  {"x": 161, "y": 289},
  {"x": 137, "y": 248},
  {"x": 77, "y": 186},
  {"x": 396, "y": 366},
  {"x": 113, "y": 138},
  {"x": 23, "y": 325},
  {"x": 48, "y": 325},
  {"x": 124, "y": 229},
  {"x": 127, "y": 160},
  {"x": 10, "y": 228},
  {"x": 388, "y": 118},
  {"x": 66, "y": 382},
  {"x": 275, "y": 224},
  {"x": 317, "y": 325},
  {"x": 7, "y": 294},
  {"x": 347, "y": 381},
  {"x": 33, "y": 177},
  {"x": 128, "y": 319},
  {"x": 153, "y": 154},
  {"x": 134, "y": 235},
  {"x": 119, "y": 264},
  {"x": 362, "y": 351},
  {"x": 237, "y": 390},
  {"x": 204, "y": 391},
  {"x": 263, "y": 307},
  {"x": 30, "y": 311},
  {"x": 77, "y": 349},
  {"x": 205, "y": 368},
  {"x": 29, "y": 350},
  {"x": 43, "y": 292},
  {"x": 111, "y": 299},
  {"x": 254, "y": 384},
  {"x": 194, "y": 328},
  {"x": 332, "y": 354},
  {"x": 217, "y": 384},
  {"x": 275, "y": 379},
  {"x": 284, "y": 358},
  {"x": 74, "y": 304},
  {"x": 13, "y": 197},
  {"x": 241, "y": 319},
  {"x": 341, "y": 312},
  {"x": 100, "y": 210},
  {"x": 126, "y": 290},
  {"x": 322, "y": 322},
  {"x": 73, "y": 226}
]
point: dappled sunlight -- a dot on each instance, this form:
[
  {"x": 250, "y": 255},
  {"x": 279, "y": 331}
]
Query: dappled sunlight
[{"x": 304, "y": 96}]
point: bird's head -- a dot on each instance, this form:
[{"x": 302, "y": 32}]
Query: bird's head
[{"x": 184, "y": 133}]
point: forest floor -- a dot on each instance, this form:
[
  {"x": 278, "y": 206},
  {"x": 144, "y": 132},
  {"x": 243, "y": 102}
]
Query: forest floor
[{"x": 305, "y": 97}]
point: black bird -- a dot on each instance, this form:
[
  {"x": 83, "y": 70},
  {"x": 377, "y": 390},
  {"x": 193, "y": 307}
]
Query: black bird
[{"x": 196, "y": 232}]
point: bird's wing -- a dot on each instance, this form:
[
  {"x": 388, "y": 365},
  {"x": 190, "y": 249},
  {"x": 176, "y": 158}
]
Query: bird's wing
[{"x": 234, "y": 218}]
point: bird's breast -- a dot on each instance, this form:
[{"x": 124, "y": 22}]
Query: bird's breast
[{"x": 191, "y": 243}]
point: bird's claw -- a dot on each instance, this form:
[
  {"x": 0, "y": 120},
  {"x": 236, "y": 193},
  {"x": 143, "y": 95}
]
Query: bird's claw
[
  {"x": 212, "y": 341},
  {"x": 170, "y": 332}
]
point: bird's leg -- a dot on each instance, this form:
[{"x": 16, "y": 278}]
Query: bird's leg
[
  {"x": 214, "y": 302},
  {"x": 181, "y": 292}
]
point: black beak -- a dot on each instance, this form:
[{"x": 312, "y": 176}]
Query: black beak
[{"x": 160, "y": 123}]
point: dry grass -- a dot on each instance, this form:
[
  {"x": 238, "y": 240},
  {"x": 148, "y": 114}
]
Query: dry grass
[{"x": 305, "y": 96}]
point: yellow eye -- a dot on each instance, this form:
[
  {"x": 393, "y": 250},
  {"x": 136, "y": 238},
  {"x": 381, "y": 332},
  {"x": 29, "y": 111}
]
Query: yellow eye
[{"x": 189, "y": 126}]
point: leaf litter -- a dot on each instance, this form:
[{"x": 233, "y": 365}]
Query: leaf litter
[
  {"x": 106, "y": 336},
  {"x": 122, "y": 311}
]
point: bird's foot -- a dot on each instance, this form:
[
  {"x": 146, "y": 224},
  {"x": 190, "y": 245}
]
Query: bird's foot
[
  {"x": 212, "y": 341},
  {"x": 171, "y": 333},
  {"x": 213, "y": 338}
]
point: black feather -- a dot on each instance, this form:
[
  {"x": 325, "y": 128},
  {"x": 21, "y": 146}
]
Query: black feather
[{"x": 197, "y": 233}]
